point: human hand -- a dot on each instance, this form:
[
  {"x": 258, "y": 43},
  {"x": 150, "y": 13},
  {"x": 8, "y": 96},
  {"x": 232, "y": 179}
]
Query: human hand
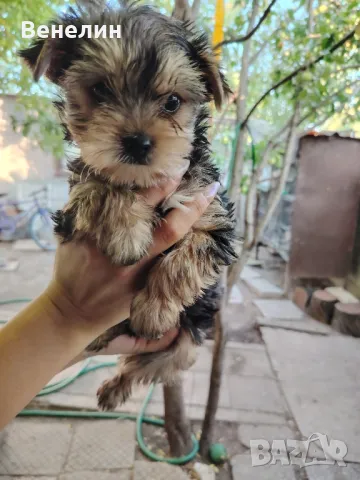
[{"x": 89, "y": 290}]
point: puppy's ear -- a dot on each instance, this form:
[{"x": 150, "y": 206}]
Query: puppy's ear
[
  {"x": 215, "y": 81},
  {"x": 49, "y": 56}
]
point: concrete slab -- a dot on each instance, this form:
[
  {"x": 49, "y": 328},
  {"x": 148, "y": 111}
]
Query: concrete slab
[
  {"x": 6, "y": 477},
  {"x": 204, "y": 359},
  {"x": 245, "y": 360},
  {"x": 333, "y": 472},
  {"x": 201, "y": 388},
  {"x": 29, "y": 447},
  {"x": 96, "y": 475},
  {"x": 264, "y": 288},
  {"x": 305, "y": 324},
  {"x": 236, "y": 296},
  {"x": 254, "y": 417},
  {"x": 158, "y": 471},
  {"x": 249, "y": 272},
  {"x": 266, "y": 432},
  {"x": 256, "y": 393},
  {"x": 102, "y": 444},
  {"x": 9, "y": 265},
  {"x": 88, "y": 384},
  {"x": 279, "y": 309},
  {"x": 320, "y": 377},
  {"x": 26, "y": 245},
  {"x": 242, "y": 469}
]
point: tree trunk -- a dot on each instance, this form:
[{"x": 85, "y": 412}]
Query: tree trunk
[
  {"x": 347, "y": 318},
  {"x": 216, "y": 375},
  {"x": 253, "y": 235},
  {"x": 241, "y": 112},
  {"x": 177, "y": 425},
  {"x": 322, "y": 305}
]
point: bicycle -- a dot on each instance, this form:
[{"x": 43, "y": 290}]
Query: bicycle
[{"x": 40, "y": 224}]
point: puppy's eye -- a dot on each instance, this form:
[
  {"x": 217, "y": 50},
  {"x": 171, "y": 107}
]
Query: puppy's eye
[
  {"x": 101, "y": 91},
  {"x": 172, "y": 104}
]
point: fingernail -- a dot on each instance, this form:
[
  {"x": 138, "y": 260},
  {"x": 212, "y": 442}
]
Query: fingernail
[
  {"x": 211, "y": 190},
  {"x": 182, "y": 169}
]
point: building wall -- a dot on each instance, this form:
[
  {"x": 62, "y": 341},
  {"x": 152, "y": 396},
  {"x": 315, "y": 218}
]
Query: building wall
[{"x": 20, "y": 158}]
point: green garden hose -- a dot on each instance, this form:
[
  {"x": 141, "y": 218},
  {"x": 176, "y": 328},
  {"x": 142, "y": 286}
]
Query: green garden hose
[{"x": 140, "y": 418}]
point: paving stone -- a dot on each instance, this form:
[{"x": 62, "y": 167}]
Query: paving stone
[
  {"x": 201, "y": 389},
  {"x": 30, "y": 447},
  {"x": 266, "y": 432},
  {"x": 305, "y": 324},
  {"x": 158, "y": 471},
  {"x": 245, "y": 360},
  {"x": 98, "y": 475},
  {"x": 236, "y": 296},
  {"x": 242, "y": 469},
  {"x": 333, "y": 472},
  {"x": 248, "y": 272},
  {"x": 320, "y": 377},
  {"x": 279, "y": 309},
  {"x": 102, "y": 444},
  {"x": 256, "y": 393},
  {"x": 264, "y": 288}
]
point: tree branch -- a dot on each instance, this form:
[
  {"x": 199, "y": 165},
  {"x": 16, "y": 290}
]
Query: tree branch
[
  {"x": 252, "y": 233},
  {"x": 238, "y": 158},
  {"x": 284, "y": 129},
  {"x": 288, "y": 157},
  {"x": 293, "y": 74},
  {"x": 311, "y": 16},
  {"x": 220, "y": 120},
  {"x": 251, "y": 32},
  {"x": 236, "y": 268},
  {"x": 195, "y": 8}
]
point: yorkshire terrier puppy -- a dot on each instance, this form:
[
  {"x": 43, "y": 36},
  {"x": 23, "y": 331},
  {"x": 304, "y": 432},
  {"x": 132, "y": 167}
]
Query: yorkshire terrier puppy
[{"x": 136, "y": 107}]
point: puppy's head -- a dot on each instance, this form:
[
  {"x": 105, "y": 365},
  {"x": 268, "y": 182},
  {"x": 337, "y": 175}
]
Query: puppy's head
[{"x": 130, "y": 103}]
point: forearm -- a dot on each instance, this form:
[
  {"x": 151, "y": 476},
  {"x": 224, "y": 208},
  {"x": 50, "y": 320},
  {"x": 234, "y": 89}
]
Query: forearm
[{"x": 34, "y": 346}]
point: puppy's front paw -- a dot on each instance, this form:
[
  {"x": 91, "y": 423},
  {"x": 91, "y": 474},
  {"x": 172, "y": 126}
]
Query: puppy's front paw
[
  {"x": 151, "y": 317},
  {"x": 129, "y": 245}
]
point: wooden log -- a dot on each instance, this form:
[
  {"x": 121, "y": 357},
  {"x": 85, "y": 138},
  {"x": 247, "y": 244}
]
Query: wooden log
[
  {"x": 322, "y": 305},
  {"x": 342, "y": 295},
  {"x": 301, "y": 297},
  {"x": 347, "y": 318}
]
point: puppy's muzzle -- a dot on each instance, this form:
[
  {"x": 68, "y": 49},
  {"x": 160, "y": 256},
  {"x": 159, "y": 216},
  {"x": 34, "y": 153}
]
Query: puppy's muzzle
[{"x": 137, "y": 148}]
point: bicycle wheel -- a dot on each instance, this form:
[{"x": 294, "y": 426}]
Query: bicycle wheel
[{"x": 41, "y": 229}]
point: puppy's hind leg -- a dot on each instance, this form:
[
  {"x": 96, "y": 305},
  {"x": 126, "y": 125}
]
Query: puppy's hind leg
[{"x": 147, "y": 368}]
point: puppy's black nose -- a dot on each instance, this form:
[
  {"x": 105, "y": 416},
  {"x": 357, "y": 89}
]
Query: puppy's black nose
[{"x": 137, "y": 147}]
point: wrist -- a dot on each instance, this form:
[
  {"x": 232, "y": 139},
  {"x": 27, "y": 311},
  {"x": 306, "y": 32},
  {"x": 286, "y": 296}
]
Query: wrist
[
  {"x": 64, "y": 310},
  {"x": 94, "y": 321}
]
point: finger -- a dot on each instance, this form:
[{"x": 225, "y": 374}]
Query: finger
[
  {"x": 129, "y": 345},
  {"x": 155, "y": 195},
  {"x": 178, "y": 222}
]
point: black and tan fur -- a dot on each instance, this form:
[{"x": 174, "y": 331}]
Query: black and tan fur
[{"x": 114, "y": 89}]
